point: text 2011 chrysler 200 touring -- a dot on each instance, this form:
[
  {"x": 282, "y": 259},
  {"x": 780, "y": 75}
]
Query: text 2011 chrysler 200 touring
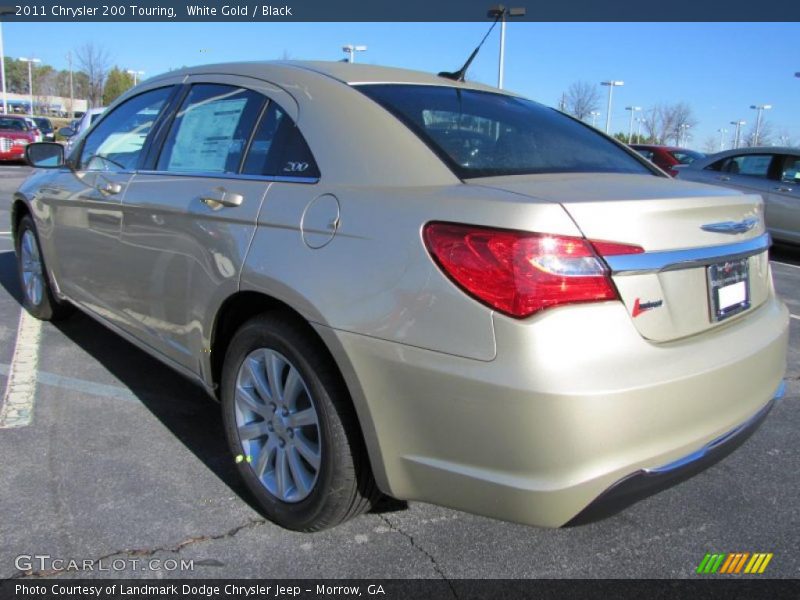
[{"x": 400, "y": 283}]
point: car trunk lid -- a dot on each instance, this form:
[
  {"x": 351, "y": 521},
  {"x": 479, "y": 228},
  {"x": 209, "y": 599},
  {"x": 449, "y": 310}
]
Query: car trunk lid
[{"x": 704, "y": 259}]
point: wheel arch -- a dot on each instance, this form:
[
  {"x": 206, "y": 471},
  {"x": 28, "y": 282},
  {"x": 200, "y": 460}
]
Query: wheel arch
[
  {"x": 19, "y": 208},
  {"x": 244, "y": 305}
]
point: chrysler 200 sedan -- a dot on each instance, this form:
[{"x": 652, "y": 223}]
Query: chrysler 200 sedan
[{"x": 403, "y": 284}]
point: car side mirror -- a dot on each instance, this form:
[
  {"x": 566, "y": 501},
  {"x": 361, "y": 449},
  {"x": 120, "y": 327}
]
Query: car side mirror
[
  {"x": 45, "y": 155},
  {"x": 66, "y": 132}
]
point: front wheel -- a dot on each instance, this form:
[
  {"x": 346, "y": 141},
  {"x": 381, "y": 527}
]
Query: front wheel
[
  {"x": 37, "y": 294},
  {"x": 291, "y": 426}
]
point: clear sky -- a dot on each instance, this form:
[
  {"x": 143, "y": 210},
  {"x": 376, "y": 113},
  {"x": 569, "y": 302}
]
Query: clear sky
[{"x": 719, "y": 69}]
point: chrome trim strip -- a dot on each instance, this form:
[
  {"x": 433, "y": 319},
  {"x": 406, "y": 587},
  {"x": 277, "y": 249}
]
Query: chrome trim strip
[
  {"x": 670, "y": 260},
  {"x": 698, "y": 454},
  {"x": 239, "y": 176}
]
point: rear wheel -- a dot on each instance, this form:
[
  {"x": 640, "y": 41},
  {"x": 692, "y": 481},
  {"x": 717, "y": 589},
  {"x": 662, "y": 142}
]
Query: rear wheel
[
  {"x": 291, "y": 425},
  {"x": 37, "y": 294}
]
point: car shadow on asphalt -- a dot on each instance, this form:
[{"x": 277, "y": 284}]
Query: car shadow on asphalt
[{"x": 181, "y": 405}]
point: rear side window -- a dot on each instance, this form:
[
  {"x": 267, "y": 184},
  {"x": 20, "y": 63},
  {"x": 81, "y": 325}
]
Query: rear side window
[
  {"x": 211, "y": 129},
  {"x": 753, "y": 165},
  {"x": 279, "y": 149},
  {"x": 482, "y": 134}
]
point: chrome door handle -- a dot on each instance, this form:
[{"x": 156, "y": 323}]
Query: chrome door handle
[
  {"x": 724, "y": 178},
  {"x": 782, "y": 188},
  {"x": 220, "y": 197},
  {"x": 111, "y": 188}
]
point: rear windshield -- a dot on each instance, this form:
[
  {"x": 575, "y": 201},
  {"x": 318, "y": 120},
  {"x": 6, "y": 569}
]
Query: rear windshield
[
  {"x": 481, "y": 134},
  {"x": 44, "y": 124},
  {"x": 686, "y": 157}
]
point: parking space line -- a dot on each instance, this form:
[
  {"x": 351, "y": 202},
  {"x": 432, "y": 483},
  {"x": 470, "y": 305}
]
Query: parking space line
[
  {"x": 79, "y": 385},
  {"x": 16, "y": 409}
]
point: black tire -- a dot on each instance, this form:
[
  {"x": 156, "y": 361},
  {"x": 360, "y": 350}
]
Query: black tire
[
  {"x": 49, "y": 308},
  {"x": 344, "y": 486}
]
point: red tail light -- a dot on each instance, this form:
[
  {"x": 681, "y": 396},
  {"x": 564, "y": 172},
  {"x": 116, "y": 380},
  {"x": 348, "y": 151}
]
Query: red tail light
[{"x": 519, "y": 273}]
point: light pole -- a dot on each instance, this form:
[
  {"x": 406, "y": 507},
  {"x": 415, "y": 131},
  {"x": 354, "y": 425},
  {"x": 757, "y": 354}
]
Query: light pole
[
  {"x": 502, "y": 13},
  {"x": 351, "y": 50},
  {"x": 3, "y": 71},
  {"x": 71, "y": 88},
  {"x": 594, "y": 114},
  {"x": 682, "y": 135},
  {"x": 611, "y": 85},
  {"x": 632, "y": 110},
  {"x": 760, "y": 108},
  {"x": 722, "y": 133},
  {"x": 639, "y": 121},
  {"x": 30, "y": 62},
  {"x": 738, "y": 129},
  {"x": 135, "y": 74}
]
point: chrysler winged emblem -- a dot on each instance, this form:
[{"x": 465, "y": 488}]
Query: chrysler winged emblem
[{"x": 731, "y": 227}]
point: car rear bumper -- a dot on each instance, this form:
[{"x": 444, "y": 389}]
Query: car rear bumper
[
  {"x": 646, "y": 482},
  {"x": 575, "y": 401}
]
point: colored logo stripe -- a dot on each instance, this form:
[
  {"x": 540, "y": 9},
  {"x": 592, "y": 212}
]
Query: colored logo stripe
[{"x": 733, "y": 562}]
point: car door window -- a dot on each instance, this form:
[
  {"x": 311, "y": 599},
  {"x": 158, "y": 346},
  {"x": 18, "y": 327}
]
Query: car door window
[
  {"x": 117, "y": 141},
  {"x": 752, "y": 165},
  {"x": 790, "y": 170},
  {"x": 211, "y": 130},
  {"x": 279, "y": 149}
]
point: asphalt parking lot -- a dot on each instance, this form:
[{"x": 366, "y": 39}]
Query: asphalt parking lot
[{"x": 125, "y": 459}]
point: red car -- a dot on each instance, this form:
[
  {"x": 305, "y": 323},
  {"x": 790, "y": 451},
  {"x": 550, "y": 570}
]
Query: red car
[
  {"x": 667, "y": 157},
  {"x": 15, "y": 134}
]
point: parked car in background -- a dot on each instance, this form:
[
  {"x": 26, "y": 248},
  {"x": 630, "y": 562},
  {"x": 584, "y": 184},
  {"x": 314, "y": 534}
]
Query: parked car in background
[
  {"x": 80, "y": 126},
  {"x": 45, "y": 125},
  {"x": 771, "y": 171},
  {"x": 666, "y": 157},
  {"x": 481, "y": 303},
  {"x": 34, "y": 127},
  {"x": 15, "y": 135}
]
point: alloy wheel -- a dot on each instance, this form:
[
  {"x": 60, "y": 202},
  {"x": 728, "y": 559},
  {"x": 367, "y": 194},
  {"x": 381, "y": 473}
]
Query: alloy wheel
[{"x": 278, "y": 425}]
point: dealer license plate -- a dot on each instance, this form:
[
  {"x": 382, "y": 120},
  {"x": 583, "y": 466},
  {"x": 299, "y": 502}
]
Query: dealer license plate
[{"x": 728, "y": 288}]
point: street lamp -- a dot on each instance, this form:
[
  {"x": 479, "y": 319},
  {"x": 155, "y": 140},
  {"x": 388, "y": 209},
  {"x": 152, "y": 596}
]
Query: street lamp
[
  {"x": 632, "y": 110},
  {"x": 3, "y": 70},
  {"x": 351, "y": 50},
  {"x": 682, "y": 134},
  {"x": 738, "y": 129},
  {"x": 594, "y": 114},
  {"x": 760, "y": 108},
  {"x": 722, "y": 133},
  {"x": 135, "y": 74},
  {"x": 611, "y": 85},
  {"x": 502, "y": 13},
  {"x": 30, "y": 62},
  {"x": 639, "y": 121}
]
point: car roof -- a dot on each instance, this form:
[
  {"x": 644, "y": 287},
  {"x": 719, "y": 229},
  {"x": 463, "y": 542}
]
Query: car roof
[
  {"x": 702, "y": 163},
  {"x": 348, "y": 73}
]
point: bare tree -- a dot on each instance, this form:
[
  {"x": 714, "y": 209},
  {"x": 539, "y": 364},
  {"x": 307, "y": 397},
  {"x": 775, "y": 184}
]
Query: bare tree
[
  {"x": 669, "y": 121},
  {"x": 764, "y": 135},
  {"x": 581, "y": 99},
  {"x": 94, "y": 62},
  {"x": 711, "y": 145},
  {"x": 680, "y": 118}
]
